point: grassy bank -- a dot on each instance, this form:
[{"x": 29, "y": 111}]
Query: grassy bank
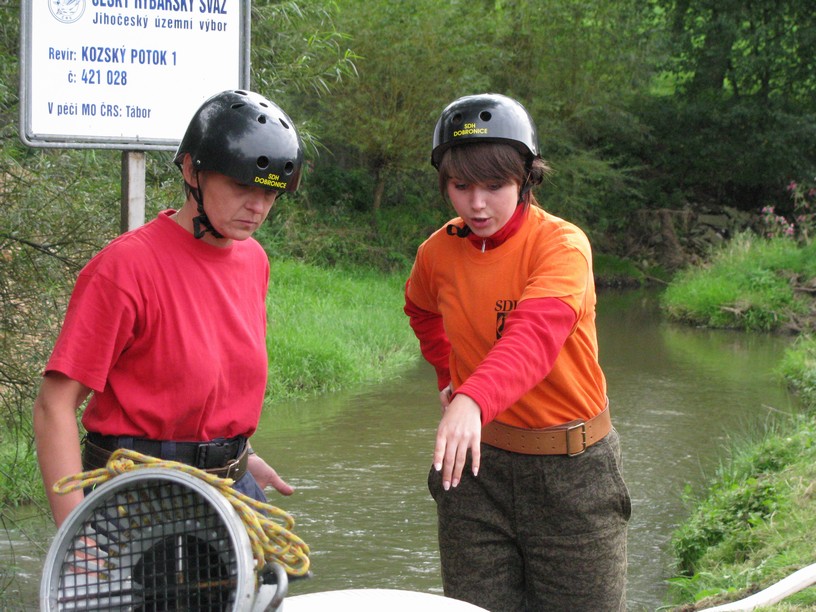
[
  {"x": 752, "y": 284},
  {"x": 330, "y": 329},
  {"x": 754, "y": 523}
]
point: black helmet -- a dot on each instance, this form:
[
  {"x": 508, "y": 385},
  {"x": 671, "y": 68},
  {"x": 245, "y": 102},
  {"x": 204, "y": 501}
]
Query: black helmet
[
  {"x": 245, "y": 136},
  {"x": 485, "y": 118}
]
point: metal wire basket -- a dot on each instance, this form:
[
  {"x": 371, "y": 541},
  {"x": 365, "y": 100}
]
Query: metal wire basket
[{"x": 156, "y": 539}]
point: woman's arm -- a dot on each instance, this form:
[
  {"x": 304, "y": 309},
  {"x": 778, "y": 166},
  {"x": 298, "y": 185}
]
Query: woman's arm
[
  {"x": 57, "y": 437},
  {"x": 433, "y": 342}
]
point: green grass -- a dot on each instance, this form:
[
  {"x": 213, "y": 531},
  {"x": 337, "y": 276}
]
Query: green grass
[
  {"x": 798, "y": 368},
  {"x": 19, "y": 473},
  {"x": 753, "y": 524},
  {"x": 748, "y": 285},
  {"x": 612, "y": 271},
  {"x": 330, "y": 329}
]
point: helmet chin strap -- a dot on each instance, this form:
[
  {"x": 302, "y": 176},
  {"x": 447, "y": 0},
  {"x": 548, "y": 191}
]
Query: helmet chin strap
[
  {"x": 202, "y": 219},
  {"x": 526, "y": 188}
]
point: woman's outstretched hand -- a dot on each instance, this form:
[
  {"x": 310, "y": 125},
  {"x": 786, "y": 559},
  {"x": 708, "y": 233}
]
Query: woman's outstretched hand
[{"x": 459, "y": 430}]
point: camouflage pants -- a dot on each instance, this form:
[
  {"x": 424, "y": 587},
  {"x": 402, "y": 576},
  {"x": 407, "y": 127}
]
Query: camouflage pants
[{"x": 536, "y": 533}]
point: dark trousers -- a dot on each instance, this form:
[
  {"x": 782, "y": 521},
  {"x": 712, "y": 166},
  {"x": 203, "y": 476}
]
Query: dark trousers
[{"x": 535, "y": 533}]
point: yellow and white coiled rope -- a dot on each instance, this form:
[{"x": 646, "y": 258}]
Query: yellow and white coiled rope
[{"x": 270, "y": 540}]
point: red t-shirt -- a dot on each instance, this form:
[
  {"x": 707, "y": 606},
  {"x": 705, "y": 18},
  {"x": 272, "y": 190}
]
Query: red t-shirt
[{"x": 170, "y": 334}]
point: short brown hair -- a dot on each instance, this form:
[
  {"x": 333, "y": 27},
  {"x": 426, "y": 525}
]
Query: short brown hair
[{"x": 484, "y": 162}]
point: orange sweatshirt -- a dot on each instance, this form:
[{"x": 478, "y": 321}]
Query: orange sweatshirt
[{"x": 503, "y": 352}]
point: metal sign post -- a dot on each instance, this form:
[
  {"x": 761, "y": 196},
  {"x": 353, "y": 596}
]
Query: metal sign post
[{"x": 126, "y": 74}]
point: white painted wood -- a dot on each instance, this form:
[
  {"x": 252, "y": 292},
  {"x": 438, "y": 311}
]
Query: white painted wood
[
  {"x": 375, "y": 600},
  {"x": 133, "y": 190}
]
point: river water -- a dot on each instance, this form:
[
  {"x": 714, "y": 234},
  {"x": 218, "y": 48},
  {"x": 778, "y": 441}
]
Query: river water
[{"x": 359, "y": 459}]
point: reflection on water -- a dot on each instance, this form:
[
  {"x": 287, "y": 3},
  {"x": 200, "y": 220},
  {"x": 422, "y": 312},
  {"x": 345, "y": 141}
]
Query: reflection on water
[
  {"x": 359, "y": 460},
  {"x": 359, "y": 463},
  {"x": 677, "y": 394}
]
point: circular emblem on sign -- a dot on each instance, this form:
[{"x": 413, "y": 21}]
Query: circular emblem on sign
[{"x": 66, "y": 11}]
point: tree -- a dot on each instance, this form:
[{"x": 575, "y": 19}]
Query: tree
[
  {"x": 741, "y": 121},
  {"x": 414, "y": 58},
  {"x": 756, "y": 48}
]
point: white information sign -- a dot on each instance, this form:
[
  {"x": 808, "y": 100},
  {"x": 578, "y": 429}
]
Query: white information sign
[{"x": 126, "y": 74}]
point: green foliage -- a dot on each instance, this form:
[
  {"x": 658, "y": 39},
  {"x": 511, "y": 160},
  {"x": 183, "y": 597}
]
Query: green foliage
[
  {"x": 384, "y": 118},
  {"x": 761, "y": 49},
  {"x": 20, "y": 481},
  {"x": 556, "y": 61},
  {"x": 725, "y": 520},
  {"x": 611, "y": 271},
  {"x": 798, "y": 219},
  {"x": 328, "y": 225},
  {"x": 713, "y": 148},
  {"x": 739, "y": 121},
  {"x": 297, "y": 49},
  {"x": 747, "y": 285},
  {"x": 328, "y": 331},
  {"x": 344, "y": 189},
  {"x": 752, "y": 526},
  {"x": 588, "y": 189},
  {"x": 51, "y": 221},
  {"x": 741, "y": 498},
  {"x": 798, "y": 368}
]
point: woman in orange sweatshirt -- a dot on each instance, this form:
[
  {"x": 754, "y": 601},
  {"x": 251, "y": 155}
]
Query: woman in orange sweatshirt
[{"x": 532, "y": 507}]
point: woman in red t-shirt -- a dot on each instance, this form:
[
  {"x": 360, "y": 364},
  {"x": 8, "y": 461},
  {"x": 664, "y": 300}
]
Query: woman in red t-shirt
[{"x": 166, "y": 327}]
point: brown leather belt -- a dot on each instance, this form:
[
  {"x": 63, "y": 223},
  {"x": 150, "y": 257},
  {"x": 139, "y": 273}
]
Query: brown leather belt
[
  {"x": 94, "y": 457},
  {"x": 571, "y": 438}
]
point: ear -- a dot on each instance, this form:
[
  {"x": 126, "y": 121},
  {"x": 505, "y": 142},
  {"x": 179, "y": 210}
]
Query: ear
[{"x": 190, "y": 175}]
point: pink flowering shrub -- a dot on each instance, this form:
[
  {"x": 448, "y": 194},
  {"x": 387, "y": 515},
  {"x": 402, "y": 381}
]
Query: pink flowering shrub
[{"x": 800, "y": 224}]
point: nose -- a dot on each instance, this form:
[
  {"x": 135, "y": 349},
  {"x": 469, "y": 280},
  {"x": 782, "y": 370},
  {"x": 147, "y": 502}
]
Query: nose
[
  {"x": 260, "y": 199},
  {"x": 478, "y": 199}
]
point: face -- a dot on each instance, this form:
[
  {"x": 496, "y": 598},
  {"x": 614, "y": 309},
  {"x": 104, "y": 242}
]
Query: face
[
  {"x": 234, "y": 209},
  {"x": 485, "y": 207}
]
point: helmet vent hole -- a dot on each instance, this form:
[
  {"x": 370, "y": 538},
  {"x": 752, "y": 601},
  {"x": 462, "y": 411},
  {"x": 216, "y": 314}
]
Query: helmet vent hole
[
  {"x": 289, "y": 167},
  {"x": 261, "y": 119},
  {"x": 485, "y": 116},
  {"x": 263, "y": 162},
  {"x": 284, "y": 124},
  {"x": 456, "y": 119},
  {"x": 237, "y": 105}
]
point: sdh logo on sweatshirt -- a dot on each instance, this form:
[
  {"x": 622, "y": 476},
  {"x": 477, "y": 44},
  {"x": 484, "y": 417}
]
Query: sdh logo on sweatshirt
[{"x": 503, "y": 308}]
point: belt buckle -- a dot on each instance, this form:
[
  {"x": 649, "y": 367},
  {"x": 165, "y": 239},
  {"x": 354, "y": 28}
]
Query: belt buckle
[
  {"x": 211, "y": 454},
  {"x": 231, "y": 465},
  {"x": 569, "y": 430}
]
